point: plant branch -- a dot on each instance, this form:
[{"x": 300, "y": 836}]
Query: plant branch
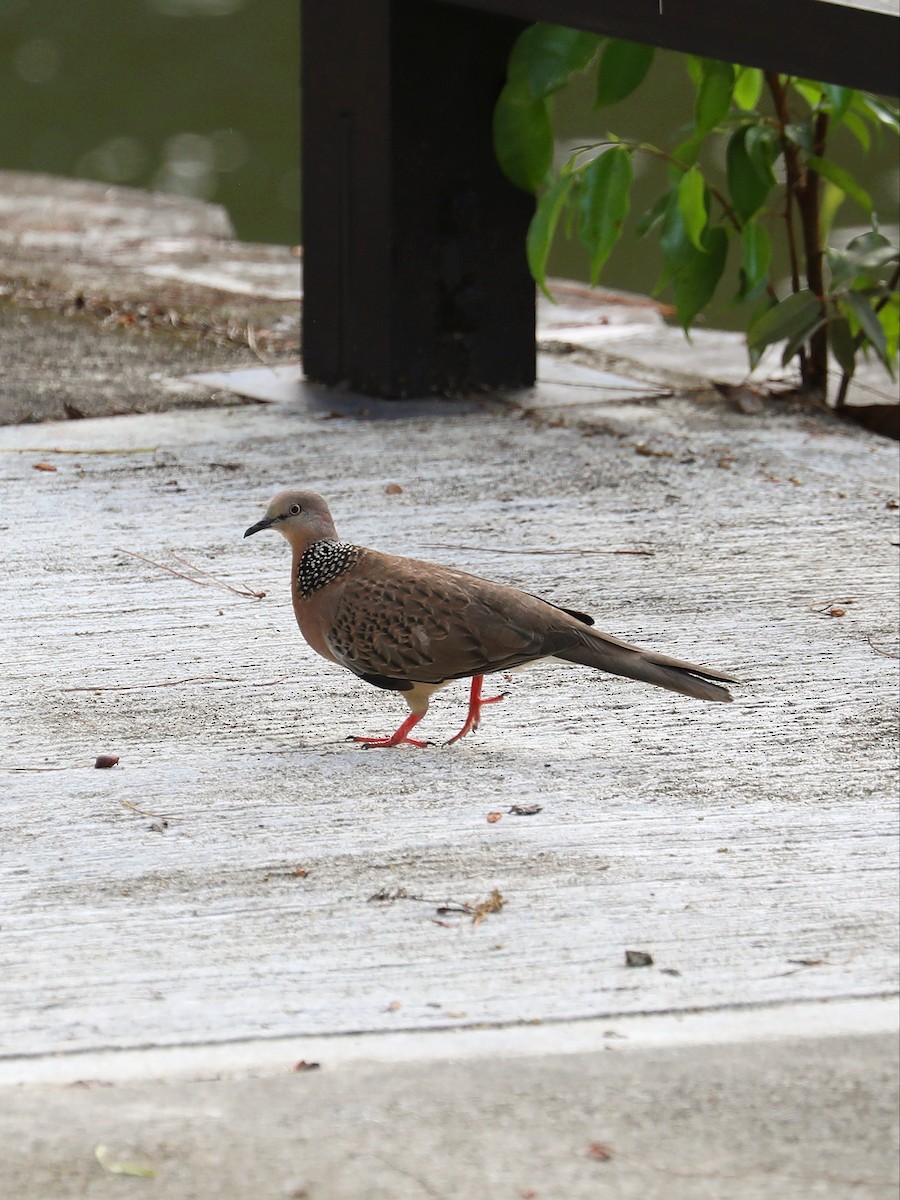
[{"x": 792, "y": 169}]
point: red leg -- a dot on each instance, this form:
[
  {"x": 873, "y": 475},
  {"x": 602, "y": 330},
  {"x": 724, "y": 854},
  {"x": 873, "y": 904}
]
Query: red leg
[
  {"x": 476, "y": 703},
  {"x": 399, "y": 737}
]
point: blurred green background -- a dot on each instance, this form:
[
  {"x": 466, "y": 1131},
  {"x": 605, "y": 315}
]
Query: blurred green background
[
  {"x": 201, "y": 97},
  {"x": 198, "y": 97}
]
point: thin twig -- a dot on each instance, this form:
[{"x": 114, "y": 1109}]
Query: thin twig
[
  {"x": 508, "y": 550},
  {"x": 136, "y": 687},
  {"x": 210, "y": 581},
  {"x": 142, "y": 811},
  {"x": 878, "y": 650},
  {"x": 208, "y": 575}
]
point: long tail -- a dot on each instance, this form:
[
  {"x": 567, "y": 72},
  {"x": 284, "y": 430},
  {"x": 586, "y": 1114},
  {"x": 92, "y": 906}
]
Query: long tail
[{"x": 607, "y": 653}]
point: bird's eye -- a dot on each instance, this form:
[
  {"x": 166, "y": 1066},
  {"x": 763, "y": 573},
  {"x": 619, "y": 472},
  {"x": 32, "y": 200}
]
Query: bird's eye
[{"x": 294, "y": 509}]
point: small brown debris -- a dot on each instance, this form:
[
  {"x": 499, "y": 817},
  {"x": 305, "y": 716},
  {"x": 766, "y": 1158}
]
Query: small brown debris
[
  {"x": 837, "y": 611},
  {"x": 493, "y": 904},
  {"x": 892, "y": 504},
  {"x": 303, "y": 1065},
  {"x": 43, "y": 466},
  {"x": 525, "y": 810},
  {"x": 599, "y": 1151},
  {"x": 638, "y": 958},
  {"x": 494, "y": 817},
  {"x": 393, "y": 489},
  {"x": 394, "y": 1006},
  {"x": 669, "y": 971},
  {"x": 300, "y": 872},
  {"x": 646, "y": 451},
  {"x": 103, "y": 761},
  {"x": 725, "y": 463}
]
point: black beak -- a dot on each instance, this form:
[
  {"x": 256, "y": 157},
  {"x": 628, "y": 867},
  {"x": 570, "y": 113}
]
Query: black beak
[{"x": 265, "y": 523}]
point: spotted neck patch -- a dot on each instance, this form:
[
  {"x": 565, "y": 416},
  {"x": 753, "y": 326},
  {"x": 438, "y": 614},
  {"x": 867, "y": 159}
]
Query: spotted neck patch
[{"x": 321, "y": 562}]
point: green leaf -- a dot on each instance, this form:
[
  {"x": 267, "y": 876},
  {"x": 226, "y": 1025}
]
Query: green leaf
[
  {"x": 868, "y": 254},
  {"x": 748, "y": 186},
  {"x": 858, "y": 128},
  {"x": 889, "y": 318},
  {"x": 763, "y": 145},
  {"x": 842, "y": 179},
  {"x": 605, "y": 195},
  {"x": 694, "y": 66},
  {"x": 843, "y": 344},
  {"x": 801, "y": 134},
  {"x": 831, "y": 200},
  {"x": 696, "y": 282},
  {"x": 881, "y": 111},
  {"x": 869, "y": 324},
  {"x": 756, "y": 256},
  {"x": 797, "y": 314},
  {"x": 839, "y": 99},
  {"x": 714, "y": 96},
  {"x": 621, "y": 69},
  {"x": 652, "y": 217},
  {"x": 544, "y": 57},
  {"x": 523, "y": 138},
  {"x": 795, "y": 343},
  {"x": 543, "y": 226},
  {"x": 676, "y": 246},
  {"x": 748, "y": 87},
  {"x": 687, "y": 152},
  {"x": 693, "y": 205},
  {"x": 811, "y": 92}
]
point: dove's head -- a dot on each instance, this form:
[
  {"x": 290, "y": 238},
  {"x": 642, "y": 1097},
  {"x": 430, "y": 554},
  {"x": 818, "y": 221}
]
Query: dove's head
[{"x": 301, "y": 516}]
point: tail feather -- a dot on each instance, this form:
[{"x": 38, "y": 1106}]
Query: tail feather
[{"x": 606, "y": 653}]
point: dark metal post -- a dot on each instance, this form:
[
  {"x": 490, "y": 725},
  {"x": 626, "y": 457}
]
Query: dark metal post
[{"x": 415, "y": 278}]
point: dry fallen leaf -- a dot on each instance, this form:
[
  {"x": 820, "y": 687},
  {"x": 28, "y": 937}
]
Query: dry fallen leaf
[
  {"x": 493, "y": 904},
  {"x": 103, "y": 761},
  {"x": 394, "y": 489},
  {"x": 494, "y": 817},
  {"x": 121, "y": 1166},
  {"x": 43, "y": 466},
  {"x": 303, "y": 1065}
]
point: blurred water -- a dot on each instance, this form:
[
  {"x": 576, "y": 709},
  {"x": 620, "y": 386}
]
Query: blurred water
[
  {"x": 198, "y": 97},
  {"x": 201, "y": 97}
]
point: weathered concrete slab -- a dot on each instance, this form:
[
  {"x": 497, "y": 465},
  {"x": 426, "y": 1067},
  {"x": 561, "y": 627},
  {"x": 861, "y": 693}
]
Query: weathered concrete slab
[
  {"x": 804, "y": 1115},
  {"x": 208, "y": 907},
  {"x": 109, "y": 296},
  {"x": 750, "y": 848}
]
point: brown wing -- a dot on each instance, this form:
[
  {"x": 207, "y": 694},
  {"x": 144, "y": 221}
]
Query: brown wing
[{"x": 402, "y": 619}]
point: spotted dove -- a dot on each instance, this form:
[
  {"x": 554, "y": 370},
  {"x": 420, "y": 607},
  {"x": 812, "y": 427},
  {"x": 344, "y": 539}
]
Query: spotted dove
[{"x": 413, "y": 627}]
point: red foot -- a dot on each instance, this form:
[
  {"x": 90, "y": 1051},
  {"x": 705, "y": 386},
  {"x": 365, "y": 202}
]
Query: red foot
[
  {"x": 398, "y": 738},
  {"x": 476, "y": 703}
]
